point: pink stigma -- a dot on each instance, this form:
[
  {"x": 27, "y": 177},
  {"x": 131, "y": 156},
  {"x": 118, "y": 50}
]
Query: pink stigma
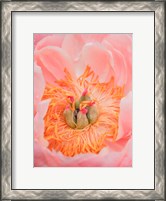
[
  {"x": 71, "y": 98},
  {"x": 67, "y": 107},
  {"x": 91, "y": 103},
  {"x": 85, "y": 92},
  {"x": 84, "y": 111}
]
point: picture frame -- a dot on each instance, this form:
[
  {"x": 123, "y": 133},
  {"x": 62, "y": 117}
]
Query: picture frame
[{"x": 7, "y": 88}]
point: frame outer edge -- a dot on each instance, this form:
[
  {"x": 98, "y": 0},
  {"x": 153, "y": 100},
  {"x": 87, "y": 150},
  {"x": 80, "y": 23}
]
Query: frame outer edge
[
  {"x": 159, "y": 100},
  {"x": 7, "y": 8},
  {"x": 6, "y": 101}
]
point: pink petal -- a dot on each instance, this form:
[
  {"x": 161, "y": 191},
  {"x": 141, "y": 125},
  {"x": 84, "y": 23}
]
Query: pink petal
[
  {"x": 48, "y": 76},
  {"x": 118, "y": 64},
  {"x": 53, "y": 61},
  {"x": 38, "y": 36},
  {"x": 93, "y": 37},
  {"x": 125, "y": 117},
  {"x": 39, "y": 122},
  {"x": 122, "y": 44},
  {"x": 43, "y": 157},
  {"x": 115, "y": 154},
  {"x": 48, "y": 40},
  {"x": 73, "y": 44},
  {"x": 43, "y": 107},
  {"x": 118, "y": 154},
  {"x": 39, "y": 85},
  {"x": 98, "y": 58}
]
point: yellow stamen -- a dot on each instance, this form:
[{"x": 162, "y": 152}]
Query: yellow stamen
[{"x": 90, "y": 138}]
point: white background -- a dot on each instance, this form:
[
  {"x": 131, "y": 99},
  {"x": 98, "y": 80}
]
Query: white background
[{"x": 141, "y": 175}]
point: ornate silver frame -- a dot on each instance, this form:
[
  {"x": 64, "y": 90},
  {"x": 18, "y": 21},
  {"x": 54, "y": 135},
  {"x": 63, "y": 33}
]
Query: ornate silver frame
[{"x": 6, "y": 12}]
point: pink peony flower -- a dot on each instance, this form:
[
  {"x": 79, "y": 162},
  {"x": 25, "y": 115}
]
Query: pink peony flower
[{"x": 83, "y": 100}]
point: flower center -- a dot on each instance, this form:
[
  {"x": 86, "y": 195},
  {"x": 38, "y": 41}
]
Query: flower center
[{"x": 82, "y": 112}]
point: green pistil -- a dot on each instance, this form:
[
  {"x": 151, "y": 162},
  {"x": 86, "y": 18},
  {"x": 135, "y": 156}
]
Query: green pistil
[
  {"x": 84, "y": 98},
  {"x": 92, "y": 114},
  {"x": 82, "y": 120},
  {"x": 77, "y": 104},
  {"x": 69, "y": 118},
  {"x": 79, "y": 119}
]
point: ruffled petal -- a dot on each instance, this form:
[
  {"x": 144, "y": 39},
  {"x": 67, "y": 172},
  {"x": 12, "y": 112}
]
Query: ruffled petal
[
  {"x": 125, "y": 117},
  {"x": 53, "y": 61},
  {"x": 38, "y": 36},
  {"x": 98, "y": 58},
  {"x": 73, "y": 44},
  {"x": 43, "y": 157},
  {"x": 48, "y": 76},
  {"x": 48, "y": 40},
  {"x": 39, "y": 85},
  {"x": 93, "y": 37},
  {"x": 118, "y": 154},
  {"x": 39, "y": 122},
  {"x": 120, "y": 46},
  {"x": 118, "y": 64}
]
